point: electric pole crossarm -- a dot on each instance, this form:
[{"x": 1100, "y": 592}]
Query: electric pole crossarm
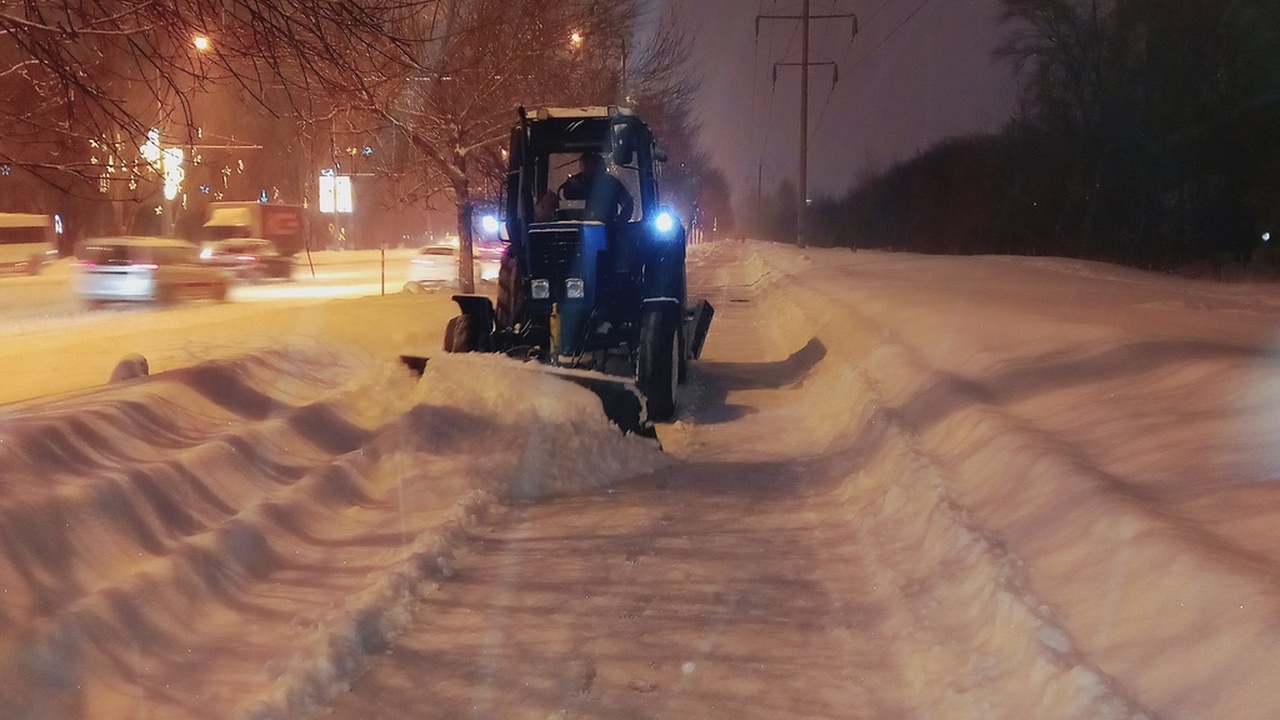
[
  {"x": 853, "y": 26},
  {"x": 835, "y": 69}
]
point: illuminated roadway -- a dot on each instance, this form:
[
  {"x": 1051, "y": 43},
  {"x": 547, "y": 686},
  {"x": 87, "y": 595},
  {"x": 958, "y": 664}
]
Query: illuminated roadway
[{"x": 50, "y": 297}]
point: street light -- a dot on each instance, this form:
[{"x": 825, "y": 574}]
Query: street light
[
  {"x": 201, "y": 42},
  {"x": 575, "y": 39}
]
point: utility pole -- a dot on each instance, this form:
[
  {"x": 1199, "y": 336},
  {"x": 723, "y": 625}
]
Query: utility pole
[{"x": 805, "y": 63}]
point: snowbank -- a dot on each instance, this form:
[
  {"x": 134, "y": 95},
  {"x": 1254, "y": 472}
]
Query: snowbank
[{"x": 284, "y": 511}]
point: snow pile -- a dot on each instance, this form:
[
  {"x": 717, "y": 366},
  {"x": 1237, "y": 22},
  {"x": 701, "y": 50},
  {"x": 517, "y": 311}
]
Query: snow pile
[
  {"x": 967, "y": 635},
  {"x": 550, "y": 435},
  {"x": 1090, "y": 480},
  {"x": 242, "y": 533}
]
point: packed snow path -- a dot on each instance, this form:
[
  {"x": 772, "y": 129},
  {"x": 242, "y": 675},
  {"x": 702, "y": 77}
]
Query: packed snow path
[
  {"x": 900, "y": 486},
  {"x": 801, "y": 559}
]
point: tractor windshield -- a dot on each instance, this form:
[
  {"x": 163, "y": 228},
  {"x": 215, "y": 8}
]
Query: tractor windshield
[{"x": 561, "y": 166}]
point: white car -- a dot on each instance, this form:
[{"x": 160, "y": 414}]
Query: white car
[
  {"x": 145, "y": 269},
  {"x": 439, "y": 264},
  {"x": 435, "y": 264}
]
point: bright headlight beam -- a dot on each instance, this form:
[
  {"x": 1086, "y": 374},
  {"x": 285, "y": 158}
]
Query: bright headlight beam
[{"x": 665, "y": 222}]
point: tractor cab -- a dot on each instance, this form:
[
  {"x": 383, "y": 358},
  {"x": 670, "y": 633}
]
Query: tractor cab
[{"x": 551, "y": 148}]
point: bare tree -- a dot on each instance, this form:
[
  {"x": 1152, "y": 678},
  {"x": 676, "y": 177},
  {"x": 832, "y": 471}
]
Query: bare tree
[
  {"x": 457, "y": 107},
  {"x": 89, "y": 79}
]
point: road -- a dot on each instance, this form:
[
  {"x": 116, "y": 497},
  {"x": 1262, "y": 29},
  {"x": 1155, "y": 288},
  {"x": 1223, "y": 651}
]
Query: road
[
  {"x": 79, "y": 347},
  {"x": 327, "y": 275}
]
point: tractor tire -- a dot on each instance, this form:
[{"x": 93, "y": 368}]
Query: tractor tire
[
  {"x": 462, "y": 334},
  {"x": 682, "y": 366},
  {"x": 658, "y": 365},
  {"x": 511, "y": 301}
]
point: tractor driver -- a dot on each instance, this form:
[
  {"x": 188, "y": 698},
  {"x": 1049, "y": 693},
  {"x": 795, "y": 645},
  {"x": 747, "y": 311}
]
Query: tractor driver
[{"x": 606, "y": 198}]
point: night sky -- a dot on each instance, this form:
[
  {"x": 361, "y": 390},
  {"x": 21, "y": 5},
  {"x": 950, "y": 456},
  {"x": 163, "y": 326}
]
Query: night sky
[{"x": 918, "y": 71}]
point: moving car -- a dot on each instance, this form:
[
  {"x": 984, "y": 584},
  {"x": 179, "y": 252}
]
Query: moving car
[
  {"x": 488, "y": 258},
  {"x": 27, "y": 242},
  {"x": 251, "y": 259},
  {"x": 434, "y": 264},
  {"x": 145, "y": 269},
  {"x": 439, "y": 263}
]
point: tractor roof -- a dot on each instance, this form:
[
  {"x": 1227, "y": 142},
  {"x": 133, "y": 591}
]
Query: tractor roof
[{"x": 591, "y": 111}]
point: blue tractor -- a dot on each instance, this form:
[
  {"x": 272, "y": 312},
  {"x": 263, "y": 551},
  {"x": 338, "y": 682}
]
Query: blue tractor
[{"x": 593, "y": 275}]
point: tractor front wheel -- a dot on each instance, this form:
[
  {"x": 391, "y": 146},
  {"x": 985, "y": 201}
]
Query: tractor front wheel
[{"x": 658, "y": 365}]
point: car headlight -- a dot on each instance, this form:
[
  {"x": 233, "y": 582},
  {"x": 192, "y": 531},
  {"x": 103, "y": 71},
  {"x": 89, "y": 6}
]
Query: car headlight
[
  {"x": 575, "y": 288},
  {"x": 540, "y": 289}
]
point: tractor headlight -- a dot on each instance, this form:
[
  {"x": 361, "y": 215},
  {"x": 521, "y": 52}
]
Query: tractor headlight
[
  {"x": 665, "y": 222},
  {"x": 540, "y": 289},
  {"x": 575, "y": 288}
]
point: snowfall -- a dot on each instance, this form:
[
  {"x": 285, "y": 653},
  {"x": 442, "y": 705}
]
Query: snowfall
[{"x": 898, "y": 486}]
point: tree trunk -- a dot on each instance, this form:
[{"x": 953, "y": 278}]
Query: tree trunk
[{"x": 466, "y": 267}]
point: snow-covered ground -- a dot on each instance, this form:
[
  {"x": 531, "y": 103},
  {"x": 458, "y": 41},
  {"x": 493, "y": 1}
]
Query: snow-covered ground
[{"x": 900, "y": 486}]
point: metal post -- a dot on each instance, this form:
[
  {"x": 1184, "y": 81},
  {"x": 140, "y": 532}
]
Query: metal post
[
  {"x": 805, "y": 63},
  {"x": 804, "y": 124}
]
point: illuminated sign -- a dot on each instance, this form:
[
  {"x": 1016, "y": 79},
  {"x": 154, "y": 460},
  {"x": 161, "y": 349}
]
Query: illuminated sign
[{"x": 336, "y": 195}]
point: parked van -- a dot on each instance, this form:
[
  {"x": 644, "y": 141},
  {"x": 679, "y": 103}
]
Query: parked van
[
  {"x": 145, "y": 269},
  {"x": 27, "y": 242}
]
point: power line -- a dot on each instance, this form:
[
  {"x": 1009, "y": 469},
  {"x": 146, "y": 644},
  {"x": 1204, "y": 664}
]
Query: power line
[
  {"x": 872, "y": 51},
  {"x": 893, "y": 32}
]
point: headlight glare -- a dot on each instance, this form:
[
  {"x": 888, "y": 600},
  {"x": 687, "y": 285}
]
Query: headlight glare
[{"x": 665, "y": 222}]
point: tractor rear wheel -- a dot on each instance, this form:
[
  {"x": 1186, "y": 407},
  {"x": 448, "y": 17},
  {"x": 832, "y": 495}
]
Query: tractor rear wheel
[{"x": 658, "y": 365}]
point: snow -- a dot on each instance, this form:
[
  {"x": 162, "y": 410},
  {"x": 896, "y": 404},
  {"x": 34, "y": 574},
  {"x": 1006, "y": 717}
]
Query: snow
[{"x": 899, "y": 486}]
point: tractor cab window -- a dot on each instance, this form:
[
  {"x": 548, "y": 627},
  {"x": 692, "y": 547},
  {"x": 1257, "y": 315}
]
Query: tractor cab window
[{"x": 572, "y": 206}]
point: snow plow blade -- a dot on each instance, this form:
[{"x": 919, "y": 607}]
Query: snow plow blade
[{"x": 621, "y": 400}]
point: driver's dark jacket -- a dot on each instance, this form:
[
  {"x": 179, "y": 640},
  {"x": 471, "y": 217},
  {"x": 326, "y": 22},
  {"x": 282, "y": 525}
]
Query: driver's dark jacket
[{"x": 607, "y": 199}]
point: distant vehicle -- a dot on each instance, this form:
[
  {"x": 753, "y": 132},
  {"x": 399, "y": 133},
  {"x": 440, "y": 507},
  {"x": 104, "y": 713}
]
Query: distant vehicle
[
  {"x": 434, "y": 264},
  {"x": 439, "y": 263},
  {"x": 488, "y": 254},
  {"x": 147, "y": 270},
  {"x": 251, "y": 259},
  {"x": 281, "y": 225},
  {"x": 27, "y": 242}
]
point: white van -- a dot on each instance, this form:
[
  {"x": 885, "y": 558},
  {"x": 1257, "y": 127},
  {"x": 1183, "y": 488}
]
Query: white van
[
  {"x": 145, "y": 269},
  {"x": 27, "y": 242}
]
